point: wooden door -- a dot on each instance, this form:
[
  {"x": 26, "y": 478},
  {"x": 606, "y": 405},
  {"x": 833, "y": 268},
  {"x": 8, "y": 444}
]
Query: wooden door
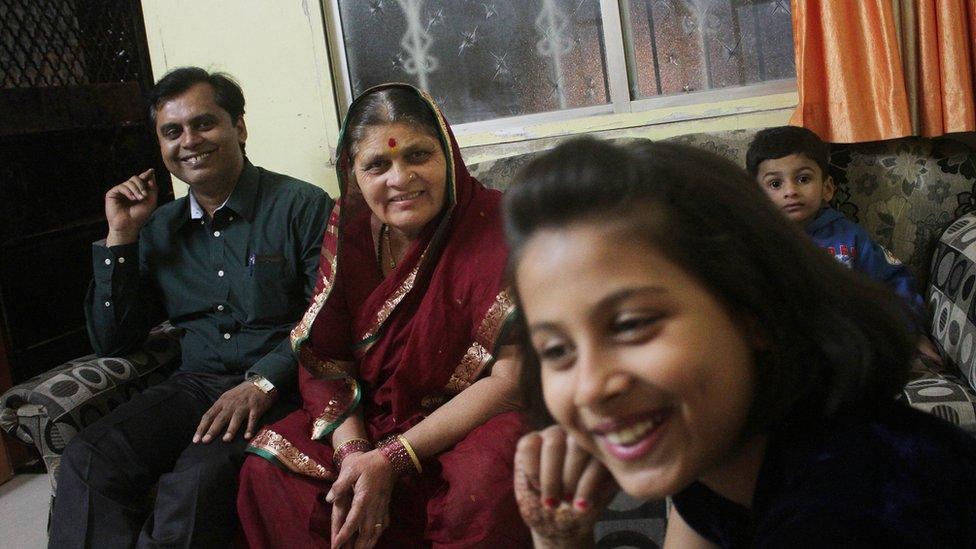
[{"x": 73, "y": 123}]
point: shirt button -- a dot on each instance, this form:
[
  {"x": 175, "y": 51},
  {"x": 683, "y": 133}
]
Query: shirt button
[
  {"x": 220, "y": 273},
  {"x": 216, "y": 233},
  {"x": 220, "y": 307},
  {"x": 121, "y": 260},
  {"x": 108, "y": 261},
  {"x": 108, "y": 303},
  {"x": 226, "y": 336},
  {"x": 231, "y": 218}
]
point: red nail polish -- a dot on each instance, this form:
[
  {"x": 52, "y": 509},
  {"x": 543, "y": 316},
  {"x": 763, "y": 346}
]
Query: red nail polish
[
  {"x": 582, "y": 504},
  {"x": 550, "y": 503}
]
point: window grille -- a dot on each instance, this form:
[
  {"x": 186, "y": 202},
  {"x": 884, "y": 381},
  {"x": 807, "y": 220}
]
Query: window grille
[{"x": 52, "y": 43}]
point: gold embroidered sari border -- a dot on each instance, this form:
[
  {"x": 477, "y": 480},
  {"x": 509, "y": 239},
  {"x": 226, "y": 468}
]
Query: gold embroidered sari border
[
  {"x": 301, "y": 330},
  {"x": 473, "y": 362},
  {"x": 275, "y": 448},
  {"x": 479, "y": 354},
  {"x": 495, "y": 318},
  {"x": 387, "y": 309},
  {"x": 323, "y": 369},
  {"x": 337, "y": 410}
]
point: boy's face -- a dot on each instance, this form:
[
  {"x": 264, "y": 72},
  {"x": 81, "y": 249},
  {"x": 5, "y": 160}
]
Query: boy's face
[{"x": 796, "y": 185}]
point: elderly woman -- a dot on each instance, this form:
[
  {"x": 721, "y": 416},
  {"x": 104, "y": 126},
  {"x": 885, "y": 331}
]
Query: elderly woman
[{"x": 410, "y": 405}]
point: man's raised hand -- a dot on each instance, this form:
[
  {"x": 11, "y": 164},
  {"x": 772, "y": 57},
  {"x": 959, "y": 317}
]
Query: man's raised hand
[{"x": 127, "y": 207}]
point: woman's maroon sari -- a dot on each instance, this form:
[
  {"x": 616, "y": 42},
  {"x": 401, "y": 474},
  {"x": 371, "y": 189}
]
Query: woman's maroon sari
[{"x": 398, "y": 348}]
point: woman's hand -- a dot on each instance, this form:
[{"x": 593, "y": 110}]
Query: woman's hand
[
  {"x": 360, "y": 499},
  {"x": 561, "y": 489}
]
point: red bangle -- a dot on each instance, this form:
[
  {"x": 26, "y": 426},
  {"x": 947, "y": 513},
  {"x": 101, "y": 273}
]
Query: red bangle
[
  {"x": 401, "y": 456},
  {"x": 350, "y": 446}
]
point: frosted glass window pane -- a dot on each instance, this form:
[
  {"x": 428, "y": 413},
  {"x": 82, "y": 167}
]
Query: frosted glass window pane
[
  {"x": 480, "y": 59},
  {"x": 692, "y": 45}
]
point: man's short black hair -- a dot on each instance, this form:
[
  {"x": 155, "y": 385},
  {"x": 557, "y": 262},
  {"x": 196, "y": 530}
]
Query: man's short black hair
[
  {"x": 773, "y": 143},
  {"x": 227, "y": 92}
]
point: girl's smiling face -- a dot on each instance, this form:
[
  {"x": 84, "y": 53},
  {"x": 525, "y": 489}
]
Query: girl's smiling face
[{"x": 640, "y": 363}]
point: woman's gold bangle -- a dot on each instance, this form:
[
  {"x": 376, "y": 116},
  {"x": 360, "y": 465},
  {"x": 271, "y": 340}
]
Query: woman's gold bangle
[{"x": 413, "y": 455}]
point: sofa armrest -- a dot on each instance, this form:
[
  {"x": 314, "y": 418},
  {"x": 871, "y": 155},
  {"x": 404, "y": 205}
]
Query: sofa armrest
[
  {"x": 49, "y": 409},
  {"x": 942, "y": 394}
]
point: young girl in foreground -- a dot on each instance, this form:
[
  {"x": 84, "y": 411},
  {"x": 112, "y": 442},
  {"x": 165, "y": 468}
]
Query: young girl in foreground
[{"x": 688, "y": 339}]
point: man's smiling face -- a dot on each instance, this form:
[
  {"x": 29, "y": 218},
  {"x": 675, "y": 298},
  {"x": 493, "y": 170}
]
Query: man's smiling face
[{"x": 199, "y": 142}]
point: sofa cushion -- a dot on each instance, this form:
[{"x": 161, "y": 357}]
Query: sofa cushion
[
  {"x": 49, "y": 409},
  {"x": 952, "y": 295},
  {"x": 940, "y": 392},
  {"x": 628, "y": 522}
]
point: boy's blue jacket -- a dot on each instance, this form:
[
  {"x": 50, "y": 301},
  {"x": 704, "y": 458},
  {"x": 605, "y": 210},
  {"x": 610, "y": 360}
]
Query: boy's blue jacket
[{"x": 850, "y": 244}]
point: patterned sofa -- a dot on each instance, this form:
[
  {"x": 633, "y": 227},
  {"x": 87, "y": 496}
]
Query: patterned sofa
[
  {"x": 906, "y": 192},
  {"x": 49, "y": 409}
]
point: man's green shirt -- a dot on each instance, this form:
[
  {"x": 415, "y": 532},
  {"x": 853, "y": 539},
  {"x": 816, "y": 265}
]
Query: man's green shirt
[{"x": 235, "y": 284}]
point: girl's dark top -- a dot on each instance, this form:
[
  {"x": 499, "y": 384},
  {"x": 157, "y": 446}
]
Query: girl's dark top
[{"x": 896, "y": 477}]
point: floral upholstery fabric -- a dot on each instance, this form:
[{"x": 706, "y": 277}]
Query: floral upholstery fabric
[{"x": 49, "y": 409}]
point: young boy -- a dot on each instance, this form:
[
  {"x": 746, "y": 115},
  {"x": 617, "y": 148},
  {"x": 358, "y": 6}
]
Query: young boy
[{"x": 790, "y": 164}]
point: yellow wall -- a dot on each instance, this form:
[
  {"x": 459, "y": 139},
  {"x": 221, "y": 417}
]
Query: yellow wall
[{"x": 277, "y": 49}]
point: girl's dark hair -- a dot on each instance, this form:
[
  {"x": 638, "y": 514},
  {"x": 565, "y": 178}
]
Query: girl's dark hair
[
  {"x": 388, "y": 106},
  {"x": 830, "y": 337}
]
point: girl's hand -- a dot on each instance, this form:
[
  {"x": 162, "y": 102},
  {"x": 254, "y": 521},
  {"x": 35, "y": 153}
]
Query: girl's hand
[
  {"x": 360, "y": 499},
  {"x": 560, "y": 488},
  {"x": 926, "y": 348}
]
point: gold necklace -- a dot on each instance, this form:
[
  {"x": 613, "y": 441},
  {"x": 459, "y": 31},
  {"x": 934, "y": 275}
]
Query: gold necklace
[{"x": 389, "y": 245}]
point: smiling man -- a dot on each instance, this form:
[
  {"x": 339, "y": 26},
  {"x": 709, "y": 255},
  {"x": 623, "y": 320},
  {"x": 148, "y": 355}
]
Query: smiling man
[{"x": 232, "y": 264}]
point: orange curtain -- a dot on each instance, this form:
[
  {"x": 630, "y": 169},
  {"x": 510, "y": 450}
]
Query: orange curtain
[{"x": 869, "y": 70}]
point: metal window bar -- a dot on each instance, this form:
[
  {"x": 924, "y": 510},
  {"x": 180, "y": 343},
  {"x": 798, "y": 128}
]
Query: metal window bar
[{"x": 613, "y": 38}]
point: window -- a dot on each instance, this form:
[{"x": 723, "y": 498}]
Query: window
[
  {"x": 484, "y": 60},
  {"x": 687, "y": 46}
]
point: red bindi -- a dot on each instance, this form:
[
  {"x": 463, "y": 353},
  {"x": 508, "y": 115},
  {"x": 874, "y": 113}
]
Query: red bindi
[{"x": 391, "y": 142}]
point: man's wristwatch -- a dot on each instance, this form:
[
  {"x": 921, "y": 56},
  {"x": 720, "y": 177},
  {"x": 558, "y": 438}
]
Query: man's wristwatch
[{"x": 262, "y": 383}]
